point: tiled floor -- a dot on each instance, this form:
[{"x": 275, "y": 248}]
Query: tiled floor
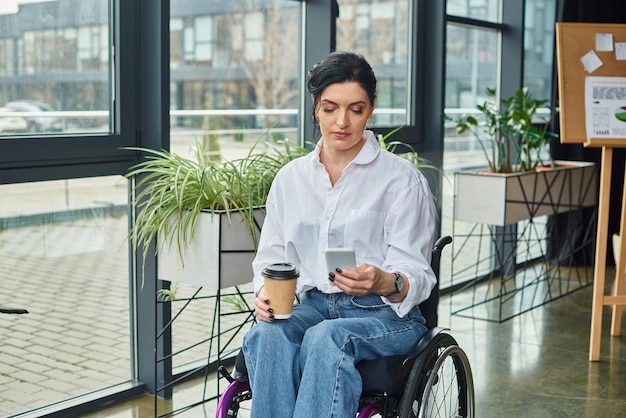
[{"x": 534, "y": 365}]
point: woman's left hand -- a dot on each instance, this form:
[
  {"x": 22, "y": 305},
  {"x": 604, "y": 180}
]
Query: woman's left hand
[{"x": 364, "y": 280}]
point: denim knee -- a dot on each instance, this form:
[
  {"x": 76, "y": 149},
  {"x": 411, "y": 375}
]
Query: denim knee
[{"x": 324, "y": 336}]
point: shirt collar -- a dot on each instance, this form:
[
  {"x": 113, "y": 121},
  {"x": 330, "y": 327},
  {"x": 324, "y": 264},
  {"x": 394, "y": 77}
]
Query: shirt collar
[
  {"x": 367, "y": 154},
  {"x": 370, "y": 149}
]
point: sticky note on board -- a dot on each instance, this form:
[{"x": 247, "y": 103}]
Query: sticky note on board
[
  {"x": 604, "y": 42},
  {"x": 620, "y": 51},
  {"x": 591, "y": 61}
]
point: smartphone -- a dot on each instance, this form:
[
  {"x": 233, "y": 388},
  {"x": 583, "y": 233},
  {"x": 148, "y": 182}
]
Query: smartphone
[{"x": 340, "y": 257}]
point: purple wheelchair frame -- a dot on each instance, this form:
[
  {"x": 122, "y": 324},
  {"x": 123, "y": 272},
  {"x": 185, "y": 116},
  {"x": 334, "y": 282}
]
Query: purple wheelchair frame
[
  {"x": 226, "y": 400},
  {"x": 236, "y": 387}
]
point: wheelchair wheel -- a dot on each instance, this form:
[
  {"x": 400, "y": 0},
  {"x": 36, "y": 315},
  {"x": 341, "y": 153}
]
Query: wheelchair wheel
[{"x": 440, "y": 383}]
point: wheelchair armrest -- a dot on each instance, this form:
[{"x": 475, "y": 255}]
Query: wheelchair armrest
[
  {"x": 240, "y": 372},
  {"x": 423, "y": 342}
]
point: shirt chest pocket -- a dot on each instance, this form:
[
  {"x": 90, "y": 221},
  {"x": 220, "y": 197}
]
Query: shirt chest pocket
[{"x": 364, "y": 231}]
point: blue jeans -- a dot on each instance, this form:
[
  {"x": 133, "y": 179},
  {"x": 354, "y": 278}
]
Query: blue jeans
[{"x": 304, "y": 366}]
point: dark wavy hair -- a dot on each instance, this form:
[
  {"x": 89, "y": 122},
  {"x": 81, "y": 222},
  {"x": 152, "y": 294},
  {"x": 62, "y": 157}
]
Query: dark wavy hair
[{"x": 341, "y": 67}]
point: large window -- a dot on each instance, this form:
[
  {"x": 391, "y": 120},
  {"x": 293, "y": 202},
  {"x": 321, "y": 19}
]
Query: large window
[
  {"x": 472, "y": 60},
  {"x": 64, "y": 114},
  {"x": 539, "y": 46},
  {"x": 472, "y": 65},
  {"x": 68, "y": 88},
  {"x": 55, "y": 75},
  {"x": 235, "y": 77}
]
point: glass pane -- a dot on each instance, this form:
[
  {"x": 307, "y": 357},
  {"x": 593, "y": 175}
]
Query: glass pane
[
  {"x": 64, "y": 259},
  {"x": 471, "y": 67},
  {"x": 54, "y": 67},
  {"x": 234, "y": 74},
  {"x": 539, "y": 46},
  {"x": 488, "y": 10},
  {"x": 381, "y": 31}
]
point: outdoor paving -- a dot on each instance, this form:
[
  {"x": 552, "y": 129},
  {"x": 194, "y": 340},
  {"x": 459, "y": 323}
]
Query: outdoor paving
[{"x": 75, "y": 338}]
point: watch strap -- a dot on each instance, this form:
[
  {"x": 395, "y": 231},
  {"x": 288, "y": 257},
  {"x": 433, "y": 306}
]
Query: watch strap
[{"x": 396, "y": 290}]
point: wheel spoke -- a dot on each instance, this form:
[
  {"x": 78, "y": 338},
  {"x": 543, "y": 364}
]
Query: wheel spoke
[{"x": 447, "y": 390}]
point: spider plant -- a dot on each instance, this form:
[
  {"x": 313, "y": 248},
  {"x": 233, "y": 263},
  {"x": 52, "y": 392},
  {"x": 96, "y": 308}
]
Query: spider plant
[
  {"x": 172, "y": 191},
  {"x": 404, "y": 150}
]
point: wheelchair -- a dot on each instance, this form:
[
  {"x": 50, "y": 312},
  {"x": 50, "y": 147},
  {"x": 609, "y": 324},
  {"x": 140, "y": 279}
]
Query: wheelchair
[{"x": 435, "y": 380}]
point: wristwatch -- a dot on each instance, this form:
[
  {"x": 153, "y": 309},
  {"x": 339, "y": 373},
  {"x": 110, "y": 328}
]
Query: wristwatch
[{"x": 399, "y": 284}]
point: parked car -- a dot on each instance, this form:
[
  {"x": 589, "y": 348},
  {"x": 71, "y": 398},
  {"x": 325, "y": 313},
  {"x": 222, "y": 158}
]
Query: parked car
[
  {"x": 11, "y": 122},
  {"x": 37, "y": 122}
]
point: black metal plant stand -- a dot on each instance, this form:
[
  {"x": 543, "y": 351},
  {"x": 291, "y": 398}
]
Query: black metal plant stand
[
  {"x": 221, "y": 343},
  {"x": 500, "y": 271}
]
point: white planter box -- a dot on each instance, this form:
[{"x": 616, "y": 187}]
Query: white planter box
[
  {"x": 504, "y": 199},
  {"x": 219, "y": 256}
]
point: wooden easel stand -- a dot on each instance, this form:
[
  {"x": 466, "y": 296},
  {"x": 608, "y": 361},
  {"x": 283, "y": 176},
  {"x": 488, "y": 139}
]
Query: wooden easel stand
[{"x": 599, "y": 298}]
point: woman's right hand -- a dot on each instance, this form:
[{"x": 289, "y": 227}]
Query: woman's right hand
[{"x": 262, "y": 308}]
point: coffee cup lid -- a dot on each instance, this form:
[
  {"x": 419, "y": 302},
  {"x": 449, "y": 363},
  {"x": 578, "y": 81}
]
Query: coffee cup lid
[{"x": 281, "y": 271}]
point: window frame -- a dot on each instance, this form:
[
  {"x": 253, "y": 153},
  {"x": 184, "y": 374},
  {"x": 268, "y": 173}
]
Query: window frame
[{"x": 427, "y": 39}]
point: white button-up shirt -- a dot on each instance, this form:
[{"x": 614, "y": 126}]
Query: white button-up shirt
[{"x": 381, "y": 206}]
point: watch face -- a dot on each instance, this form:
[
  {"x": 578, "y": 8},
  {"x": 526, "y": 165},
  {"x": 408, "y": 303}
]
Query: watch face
[{"x": 399, "y": 283}]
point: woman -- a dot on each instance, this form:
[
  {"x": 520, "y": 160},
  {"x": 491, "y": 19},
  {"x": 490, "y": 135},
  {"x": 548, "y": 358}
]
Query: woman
[{"x": 348, "y": 193}]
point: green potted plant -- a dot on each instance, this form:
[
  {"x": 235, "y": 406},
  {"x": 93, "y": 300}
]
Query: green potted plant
[
  {"x": 176, "y": 195},
  {"x": 521, "y": 184}
]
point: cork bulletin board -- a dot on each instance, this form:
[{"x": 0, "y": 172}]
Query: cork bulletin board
[{"x": 576, "y": 42}]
